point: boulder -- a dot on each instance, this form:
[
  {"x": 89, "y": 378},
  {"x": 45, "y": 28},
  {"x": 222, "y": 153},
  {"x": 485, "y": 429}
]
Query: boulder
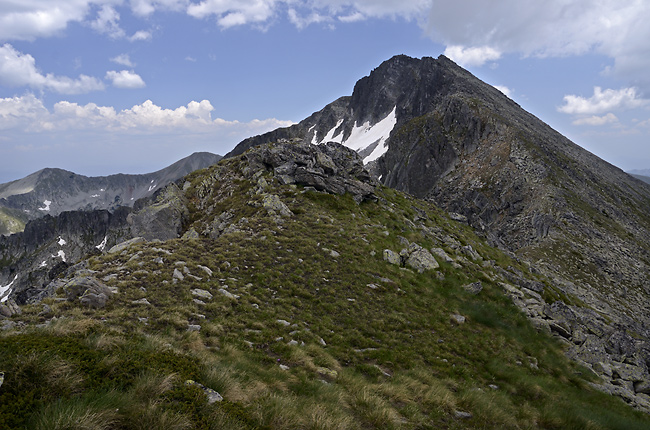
[
  {"x": 421, "y": 260},
  {"x": 392, "y": 257},
  {"x": 126, "y": 244},
  {"x": 89, "y": 290}
]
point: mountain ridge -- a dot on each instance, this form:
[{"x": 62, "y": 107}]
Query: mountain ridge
[
  {"x": 573, "y": 231},
  {"x": 27, "y": 198}
]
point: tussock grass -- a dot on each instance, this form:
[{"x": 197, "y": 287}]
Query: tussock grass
[{"x": 368, "y": 344}]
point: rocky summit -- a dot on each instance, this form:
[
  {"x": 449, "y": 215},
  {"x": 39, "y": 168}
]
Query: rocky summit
[{"x": 311, "y": 280}]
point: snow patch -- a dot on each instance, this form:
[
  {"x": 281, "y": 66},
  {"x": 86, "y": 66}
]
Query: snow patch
[
  {"x": 43, "y": 264},
  {"x": 329, "y": 137},
  {"x": 6, "y": 290},
  {"x": 365, "y": 136},
  {"x": 101, "y": 189},
  {"x": 62, "y": 241},
  {"x": 47, "y": 204},
  {"x": 380, "y": 176},
  {"x": 95, "y": 195},
  {"x": 102, "y": 245},
  {"x": 314, "y": 140},
  {"x": 152, "y": 187},
  {"x": 311, "y": 128},
  {"x": 60, "y": 254}
]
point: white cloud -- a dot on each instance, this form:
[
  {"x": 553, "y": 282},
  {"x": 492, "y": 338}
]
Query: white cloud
[
  {"x": 141, "y": 35},
  {"x": 595, "y": 120},
  {"x": 505, "y": 90},
  {"x": 27, "y": 20},
  {"x": 147, "y": 7},
  {"x": 30, "y": 115},
  {"x": 125, "y": 79},
  {"x": 303, "y": 21},
  {"x": 230, "y": 13},
  {"x": 21, "y": 111},
  {"x": 552, "y": 28},
  {"x": 18, "y": 70},
  {"x": 602, "y": 101},
  {"x": 124, "y": 60},
  {"x": 107, "y": 22},
  {"x": 104, "y": 140},
  {"x": 353, "y": 17},
  {"x": 234, "y": 13},
  {"x": 476, "y": 56}
]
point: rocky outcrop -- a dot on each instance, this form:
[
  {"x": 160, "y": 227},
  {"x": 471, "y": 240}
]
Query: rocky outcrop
[
  {"x": 161, "y": 219},
  {"x": 331, "y": 167},
  {"x": 87, "y": 290}
]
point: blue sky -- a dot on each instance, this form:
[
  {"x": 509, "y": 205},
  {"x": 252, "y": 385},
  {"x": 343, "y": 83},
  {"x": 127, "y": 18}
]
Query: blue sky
[{"x": 108, "y": 86}]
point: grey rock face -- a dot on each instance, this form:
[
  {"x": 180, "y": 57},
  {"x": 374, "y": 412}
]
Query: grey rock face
[
  {"x": 66, "y": 191},
  {"x": 330, "y": 167},
  {"x": 88, "y": 290}
]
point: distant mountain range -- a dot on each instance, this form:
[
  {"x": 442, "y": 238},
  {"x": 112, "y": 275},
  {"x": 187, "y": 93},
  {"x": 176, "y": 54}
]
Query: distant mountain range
[{"x": 52, "y": 191}]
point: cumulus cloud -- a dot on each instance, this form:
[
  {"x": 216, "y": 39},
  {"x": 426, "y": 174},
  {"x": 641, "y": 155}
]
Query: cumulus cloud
[
  {"x": 230, "y": 13},
  {"x": 124, "y": 60},
  {"x": 476, "y": 56},
  {"x": 105, "y": 140},
  {"x": 107, "y": 22},
  {"x": 595, "y": 120},
  {"x": 28, "y": 113},
  {"x": 125, "y": 79},
  {"x": 21, "y": 20},
  {"x": 602, "y": 101},
  {"x": 19, "y": 70},
  {"x": 234, "y": 13},
  {"x": 553, "y": 28}
]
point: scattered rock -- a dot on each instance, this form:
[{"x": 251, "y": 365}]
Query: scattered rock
[
  {"x": 227, "y": 294},
  {"x": 202, "y": 294},
  {"x": 193, "y": 327},
  {"x": 142, "y": 301},
  {"x": 10, "y": 308},
  {"x": 392, "y": 257},
  {"x": 126, "y": 244},
  {"x": 283, "y": 322},
  {"x": 178, "y": 275},
  {"x": 457, "y": 319},
  {"x": 205, "y": 269},
  {"x": 89, "y": 290},
  {"x": 474, "y": 287},
  {"x": 440, "y": 253},
  {"x": 212, "y": 395},
  {"x": 275, "y": 206},
  {"x": 421, "y": 259},
  {"x": 462, "y": 415}
]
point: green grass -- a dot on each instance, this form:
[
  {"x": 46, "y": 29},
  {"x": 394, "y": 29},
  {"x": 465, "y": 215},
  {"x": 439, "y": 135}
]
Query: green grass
[{"x": 391, "y": 357}]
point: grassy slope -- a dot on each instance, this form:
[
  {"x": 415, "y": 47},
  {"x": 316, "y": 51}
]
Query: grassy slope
[
  {"x": 379, "y": 356},
  {"x": 11, "y": 221}
]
